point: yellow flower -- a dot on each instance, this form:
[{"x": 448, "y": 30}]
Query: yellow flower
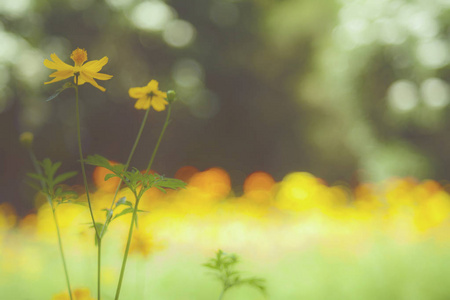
[
  {"x": 85, "y": 72},
  {"x": 78, "y": 294},
  {"x": 149, "y": 95}
]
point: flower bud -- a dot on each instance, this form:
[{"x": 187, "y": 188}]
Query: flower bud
[
  {"x": 26, "y": 139},
  {"x": 171, "y": 96}
]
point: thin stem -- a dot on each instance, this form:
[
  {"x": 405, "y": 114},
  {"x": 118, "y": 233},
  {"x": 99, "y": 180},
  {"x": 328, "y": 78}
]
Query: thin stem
[
  {"x": 125, "y": 256},
  {"x": 61, "y": 250},
  {"x": 80, "y": 150},
  {"x": 138, "y": 197},
  {"x": 150, "y": 163},
  {"x": 221, "y": 294},
  {"x": 99, "y": 266},
  {"x": 130, "y": 156}
]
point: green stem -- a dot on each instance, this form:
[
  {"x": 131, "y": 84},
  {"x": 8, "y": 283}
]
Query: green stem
[
  {"x": 150, "y": 163},
  {"x": 99, "y": 264},
  {"x": 80, "y": 150},
  {"x": 125, "y": 256},
  {"x": 221, "y": 294},
  {"x": 130, "y": 156},
  {"x": 61, "y": 250},
  {"x": 133, "y": 219}
]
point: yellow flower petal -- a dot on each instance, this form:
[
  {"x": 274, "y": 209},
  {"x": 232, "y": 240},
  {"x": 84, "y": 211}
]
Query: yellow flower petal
[
  {"x": 63, "y": 73},
  {"x": 99, "y": 76},
  {"x": 60, "y": 64},
  {"x": 95, "y": 65},
  {"x": 91, "y": 80},
  {"x": 87, "y": 72},
  {"x": 142, "y": 103},
  {"x": 137, "y": 92},
  {"x": 152, "y": 86},
  {"x": 159, "y": 104}
]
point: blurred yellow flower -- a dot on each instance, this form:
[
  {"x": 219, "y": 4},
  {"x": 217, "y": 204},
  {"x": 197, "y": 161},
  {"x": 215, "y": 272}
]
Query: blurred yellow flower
[
  {"x": 78, "y": 294},
  {"x": 144, "y": 244},
  {"x": 149, "y": 95},
  {"x": 86, "y": 72}
]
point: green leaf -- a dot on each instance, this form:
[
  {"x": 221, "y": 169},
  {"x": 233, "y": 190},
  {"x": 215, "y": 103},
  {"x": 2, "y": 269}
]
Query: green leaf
[
  {"x": 123, "y": 201},
  {"x": 109, "y": 176},
  {"x": 58, "y": 91},
  {"x": 170, "y": 183},
  {"x": 34, "y": 186},
  {"x": 128, "y": 210},
  {"x": 36, "y": 176},
  {"x": 53, "y": 169},
  {"x": 47, "y": 166},
  {"x": 63, "y": 177}
]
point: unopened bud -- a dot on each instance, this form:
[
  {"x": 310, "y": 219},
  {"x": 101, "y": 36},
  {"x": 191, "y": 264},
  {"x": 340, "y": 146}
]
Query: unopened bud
[
  {"x": 26, "y": 139},
  {"x": 171, "y": 96}
]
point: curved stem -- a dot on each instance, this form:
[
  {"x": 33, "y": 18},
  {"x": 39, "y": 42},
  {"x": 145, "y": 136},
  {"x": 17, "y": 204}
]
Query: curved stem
[
  {"x": 138, "y": 197},
  {"x": 150, "y": 163},
  {"x": 130, "y": 156},
  {"x": 61, "y": 250}
]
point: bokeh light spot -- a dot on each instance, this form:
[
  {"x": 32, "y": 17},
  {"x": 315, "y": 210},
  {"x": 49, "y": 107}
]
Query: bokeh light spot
[
  {"x": 152, "y": 15},
  {"x": 258, "y": 181},
  {"x": 204, "y": 105},
  {"x": 179, "y": 33},
  {"x": 188, "y": 73},
  {"x": 403, "y": 95},
  {"x": 435, "y": 92},
  {"x": 215, "y": 181},
  {"x": 433, "y": 54},
  {"x": 186, "y": 173}
]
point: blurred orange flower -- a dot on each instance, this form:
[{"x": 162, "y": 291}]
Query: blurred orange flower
[
  {"x": 78, "y": 294},
  {"x": 149, "y": 95},
  {"x": 86, "y": 72}
]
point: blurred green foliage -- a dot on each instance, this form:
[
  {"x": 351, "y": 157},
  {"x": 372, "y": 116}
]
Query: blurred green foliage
[{"x": 345, "y": 89}]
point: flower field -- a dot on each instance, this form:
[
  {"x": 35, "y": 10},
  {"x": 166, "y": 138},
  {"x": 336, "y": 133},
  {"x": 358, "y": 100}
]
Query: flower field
[{"x": 308, "y": 239}]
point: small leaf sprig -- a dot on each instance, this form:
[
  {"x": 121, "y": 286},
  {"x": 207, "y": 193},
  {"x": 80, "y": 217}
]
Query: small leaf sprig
[
  {"x": 223, "y": 267},
  {"x": 50, "y": 184},
  {"x": 138, "y": 183}
]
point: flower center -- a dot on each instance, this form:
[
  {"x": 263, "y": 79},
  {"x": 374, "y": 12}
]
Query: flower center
[{"x": 79, "y": 56}]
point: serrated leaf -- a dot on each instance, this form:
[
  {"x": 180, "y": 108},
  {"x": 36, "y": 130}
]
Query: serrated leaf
[
  {"x": 34, "y": 186},
  {"x": 63, "y": 177},
  {"x": 171, "y": 183},
  {"x": 53, "y": 168},
  {"x": 36, "y": 176},
  {"x": 47, "y": 166}
]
